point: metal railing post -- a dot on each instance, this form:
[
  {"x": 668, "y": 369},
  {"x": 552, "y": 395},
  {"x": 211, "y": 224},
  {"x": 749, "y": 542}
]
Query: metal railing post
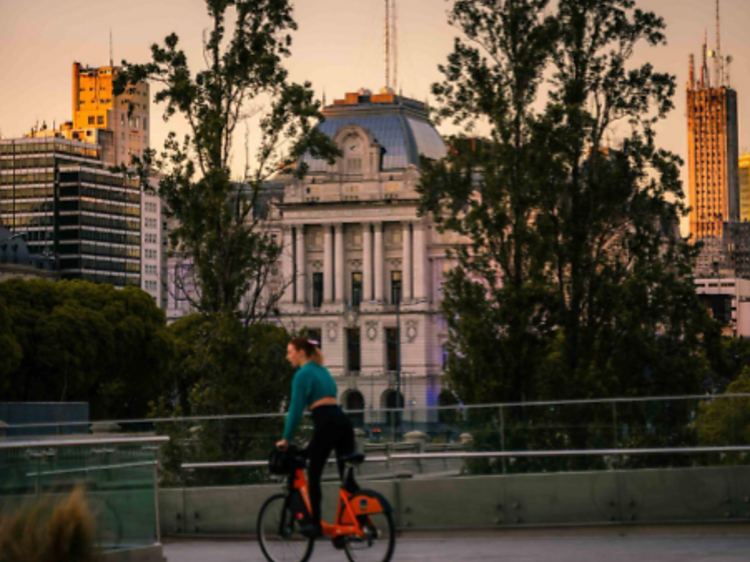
[
  {"x": 156, "y": 502},
  {"x": 502, "y": 439},
  {"x": 38, "y": 475},
  {"x": 615, "y": 430}
]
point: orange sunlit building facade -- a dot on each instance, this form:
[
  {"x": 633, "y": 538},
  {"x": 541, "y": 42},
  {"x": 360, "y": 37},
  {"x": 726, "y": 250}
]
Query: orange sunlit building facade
[
  {"x": 100, "y": 117},
  {"x": 96, "y": 107},
  {"x": 712, "y": 155}
]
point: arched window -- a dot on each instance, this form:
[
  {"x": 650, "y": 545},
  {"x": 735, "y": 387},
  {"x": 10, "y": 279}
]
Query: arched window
[
  {"x": 354, "y": 403},
  {"x": 390, "y": 401}
]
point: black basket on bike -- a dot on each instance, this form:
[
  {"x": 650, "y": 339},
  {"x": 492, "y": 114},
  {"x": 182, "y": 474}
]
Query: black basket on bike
[{"x": 286, "y": 462}]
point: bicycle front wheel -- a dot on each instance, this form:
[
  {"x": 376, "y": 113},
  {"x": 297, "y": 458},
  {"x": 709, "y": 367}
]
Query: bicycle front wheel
[
  {"x": 278, "y": 533},
  {"x": 378, "y": 542}
]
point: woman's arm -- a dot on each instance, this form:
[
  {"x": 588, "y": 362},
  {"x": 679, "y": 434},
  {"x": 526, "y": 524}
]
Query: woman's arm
[{"x": 296, "y": 405}]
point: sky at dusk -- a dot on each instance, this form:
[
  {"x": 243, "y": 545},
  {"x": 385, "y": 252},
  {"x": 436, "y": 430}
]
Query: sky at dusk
[{"x": 338, "y": 47}]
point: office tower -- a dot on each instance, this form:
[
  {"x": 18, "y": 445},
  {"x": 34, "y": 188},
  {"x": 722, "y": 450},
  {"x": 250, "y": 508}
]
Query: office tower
[{"x": 67, "y": 204}]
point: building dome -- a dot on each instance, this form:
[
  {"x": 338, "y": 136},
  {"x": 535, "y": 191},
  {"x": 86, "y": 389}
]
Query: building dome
[{"x": 399, "y": 125}]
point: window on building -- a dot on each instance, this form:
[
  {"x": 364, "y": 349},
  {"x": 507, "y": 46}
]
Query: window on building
[
  {"x": 353, "y": 350},
  {"x": 391, "y": 349},
  {"x": 395, "y": 287},
  {"x": 145, "y": 123},
  {"x": 355, "y": 403},
  {"x": 91, "y": 120},
  {"x": 317, "y": 288},
  {"x": 100, "y": 120},
  {"x": 356, "y": 289}
]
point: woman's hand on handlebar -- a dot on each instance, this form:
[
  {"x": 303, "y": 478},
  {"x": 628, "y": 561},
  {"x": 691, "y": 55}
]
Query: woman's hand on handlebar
[{"x": 282, "y": 445}]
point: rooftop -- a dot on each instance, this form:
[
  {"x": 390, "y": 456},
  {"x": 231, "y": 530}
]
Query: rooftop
[{"x": 400, "y": 125}]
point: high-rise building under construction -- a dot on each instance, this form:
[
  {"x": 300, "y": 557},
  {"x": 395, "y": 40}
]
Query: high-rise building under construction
[{"x": 712, "y": 145}]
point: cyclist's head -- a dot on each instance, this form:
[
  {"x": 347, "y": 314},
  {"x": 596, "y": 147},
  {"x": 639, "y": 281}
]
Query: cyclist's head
[{"x": 302, "y": 350}]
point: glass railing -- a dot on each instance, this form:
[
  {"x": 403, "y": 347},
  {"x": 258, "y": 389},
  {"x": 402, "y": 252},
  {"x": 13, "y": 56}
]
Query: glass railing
[
  {"x": 118, "y": 475},
  {"x": 616, "y": 424}
]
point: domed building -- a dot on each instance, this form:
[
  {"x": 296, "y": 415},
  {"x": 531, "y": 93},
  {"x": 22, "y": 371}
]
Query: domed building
[{"x": 359, "y": 262}]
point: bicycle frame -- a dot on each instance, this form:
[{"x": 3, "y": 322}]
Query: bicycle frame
[{"x": 346, "y": 513}]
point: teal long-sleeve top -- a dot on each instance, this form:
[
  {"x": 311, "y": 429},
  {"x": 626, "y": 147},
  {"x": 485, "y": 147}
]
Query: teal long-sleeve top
[{"x": 311, "y": 382}]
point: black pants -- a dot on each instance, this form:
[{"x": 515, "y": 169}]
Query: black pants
[{"x": 332, "y": 431}]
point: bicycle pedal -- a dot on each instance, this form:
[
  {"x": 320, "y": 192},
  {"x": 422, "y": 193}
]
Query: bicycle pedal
[{"x": 339, "y": 543}]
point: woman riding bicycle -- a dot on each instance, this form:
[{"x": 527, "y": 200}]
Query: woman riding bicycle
[{"x": 314, "y": 387}]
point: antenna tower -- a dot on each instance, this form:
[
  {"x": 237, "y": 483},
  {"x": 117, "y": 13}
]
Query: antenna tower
[
  {"x": 394, "y": 32},
  {"x": 387, "y": 43},
  {"x": 718, "y": 70}
]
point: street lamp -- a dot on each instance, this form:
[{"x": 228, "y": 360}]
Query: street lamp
[{"x": 399, "y": 401}]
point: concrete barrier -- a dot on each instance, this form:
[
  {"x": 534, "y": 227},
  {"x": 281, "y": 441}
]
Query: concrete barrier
[{"x": 585, "y": 498}]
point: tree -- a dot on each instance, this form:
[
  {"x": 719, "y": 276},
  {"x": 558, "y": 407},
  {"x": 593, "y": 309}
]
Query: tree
[
  {"x": 726, "y": 421},
  {"x": 729, "y": 357},
  {"x": 12, "y": 353},
  {"x": 88, "y": 342},
  {"x": 225, "y": 370},
  {"x": 218, "y": 230},
  {"x": 574, "y": 282}
]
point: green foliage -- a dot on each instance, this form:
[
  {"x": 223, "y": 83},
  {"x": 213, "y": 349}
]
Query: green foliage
[
  {"x": 11, "y": 356},
  {"x": 574, "y": 282},
  {"x": 86, "y": 342},
  {"x": 726, "y": 421},
  {"x": 225, "y": 369},
  {"x": 729, "y": 358}
]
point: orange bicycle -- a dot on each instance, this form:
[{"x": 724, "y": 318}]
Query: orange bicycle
[{"x": 363, "y": 529}]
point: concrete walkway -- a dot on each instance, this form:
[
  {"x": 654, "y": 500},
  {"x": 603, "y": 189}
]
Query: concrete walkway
[{"x": 731, "y": 548}]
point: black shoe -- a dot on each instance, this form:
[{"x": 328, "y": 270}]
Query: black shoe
[
  {"x": 311, "y": 531},
  {"x": 339, "y": 543}
]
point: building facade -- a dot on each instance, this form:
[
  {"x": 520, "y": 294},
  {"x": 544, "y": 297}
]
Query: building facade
[
  {"x": 744, "y": 186},
  {"x": 96, "y": 107},
  {"x": 119, "y": 126},
  {"x": 712, "y": 153},
  {"x": 362, "y": 269},
  {"x": 728, "y": 301},
  {"x": 16, "y": 261},
  {"x": 154, "y": 248},
  {"x": 69, "y": 206}
]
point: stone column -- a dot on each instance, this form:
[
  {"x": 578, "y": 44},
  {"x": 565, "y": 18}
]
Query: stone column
[
  {"x": 406, "y": 263},
  {"x": 379, "y": 261},
  {"x": 301, "y": 269},
  {"x": 287, "y": 267},
  {"x": 421, "y": 265},
  {"x": 327, "y": 264},
  {"x": 340, "y": 270},
  {"x": 366, "y": 262}
]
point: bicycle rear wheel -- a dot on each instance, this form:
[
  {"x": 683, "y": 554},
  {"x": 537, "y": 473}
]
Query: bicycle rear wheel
[
  {"x": 378, "y": 542},
  {"x": 278, "y": 533}
]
